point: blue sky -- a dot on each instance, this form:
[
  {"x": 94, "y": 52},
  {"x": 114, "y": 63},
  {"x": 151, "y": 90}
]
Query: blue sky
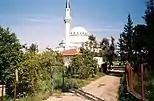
[{"x": 41, "y": 21}]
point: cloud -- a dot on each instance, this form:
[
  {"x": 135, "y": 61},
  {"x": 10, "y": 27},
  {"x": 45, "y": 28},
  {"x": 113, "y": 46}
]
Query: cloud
[
  {"x": 114, "y": 27},
  {"x": 45, "y": 20},
  {"x": 104, "y": 29},
  {"x": 37, "y": 20}
]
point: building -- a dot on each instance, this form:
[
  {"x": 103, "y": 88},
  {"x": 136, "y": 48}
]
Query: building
[
  {"x": 74, "y": 38},
  {"x": 68, "y": 55}
]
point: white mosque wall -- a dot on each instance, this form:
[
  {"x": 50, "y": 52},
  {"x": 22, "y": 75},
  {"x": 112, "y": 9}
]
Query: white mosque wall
[
  {"x": 75, "y": 39},
  {"x": 99, "y": 61},
  {"x": 67, "y": 60}
]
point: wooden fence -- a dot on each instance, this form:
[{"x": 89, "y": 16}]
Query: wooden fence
[{"x": 129, "y": 78}]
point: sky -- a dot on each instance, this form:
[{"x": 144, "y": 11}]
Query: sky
[{"x": 41, "y": 21}]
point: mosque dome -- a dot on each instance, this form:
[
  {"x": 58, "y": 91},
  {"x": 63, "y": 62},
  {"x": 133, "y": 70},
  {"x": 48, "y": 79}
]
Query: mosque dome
[{"x": 79, "y": 31}]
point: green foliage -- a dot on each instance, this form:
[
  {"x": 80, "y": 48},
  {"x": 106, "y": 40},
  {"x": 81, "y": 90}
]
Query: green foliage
[
  {"x": 84, "y": 65},
  {"x": 138, "y": 47},
  {"x": 137, "y": 42},
  {"x": 124, "y": 95},
  {"x": 10, "y": 58},
  {"x": 108, "y": 50},
  {"x": 38, "y": 71},
  {"x": 149, "y": 20},
  {"x": 39, "y": 74},
  {"x": 126, "y": 41}
]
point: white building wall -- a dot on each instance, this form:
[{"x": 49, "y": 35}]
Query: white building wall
[
  {"x": 99, "y": 60},
  {"x": 67, "y": 60}
]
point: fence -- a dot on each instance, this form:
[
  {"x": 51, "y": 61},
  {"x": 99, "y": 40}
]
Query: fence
[{"x": 129, "y": 78}]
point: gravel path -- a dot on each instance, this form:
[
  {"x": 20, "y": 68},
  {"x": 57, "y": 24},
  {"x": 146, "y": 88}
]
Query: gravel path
[{"x": 105, "y": 88}]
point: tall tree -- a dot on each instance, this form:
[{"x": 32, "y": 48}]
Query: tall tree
[
  {"x": 111, "y": 51},
  {"x": 121, "y": 48},
  {"x": 126, "y": 39},
  {"x": 31, "y": 65},
  {"x": 108, "y": 50},
  {"x": 10, "y": 57},
  {"x": 105, "y": 48},
  {"x": 149, "y": 20},
  {"x": 84, "y": 64}
]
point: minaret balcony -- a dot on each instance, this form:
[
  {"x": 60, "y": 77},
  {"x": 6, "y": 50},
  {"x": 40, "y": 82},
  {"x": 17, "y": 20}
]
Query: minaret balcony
[{"x": 67, "y": 19}]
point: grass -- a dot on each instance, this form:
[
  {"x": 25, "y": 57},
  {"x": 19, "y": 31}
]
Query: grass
[
  {"x": 36, "y": 97},
  {"x": 57, "y": 89}
]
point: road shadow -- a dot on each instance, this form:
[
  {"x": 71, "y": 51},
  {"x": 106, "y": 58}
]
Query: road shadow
[{"x": 87, "y": 95}]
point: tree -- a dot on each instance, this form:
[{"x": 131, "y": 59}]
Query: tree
[
  {"x": 31, "y": 65},
  {"x": 84, "y": 64},
  {"x": 33, "y": 48},
  {"x": 111, "y": 51},
  {"x": 10, "y": 58},
  {"x": 38, "y": 70},
  {"x": 92, "y": 44},
  {"x": 105, "y": 48},
  {"x": 149, "y": 20},
  {"x": 126, "y": 40},
  {"x": 108, "y": 50},
  {"x": 121, "y": 48},
  {"x": 139, "y": 42},
  {"x": 50, "y": 63}
]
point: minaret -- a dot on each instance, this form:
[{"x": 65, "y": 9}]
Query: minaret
[{"x": 67, "y": 21}]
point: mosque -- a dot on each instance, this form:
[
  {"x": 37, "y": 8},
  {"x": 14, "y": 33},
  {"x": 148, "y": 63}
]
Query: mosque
[{"x": 74, "y": 37}]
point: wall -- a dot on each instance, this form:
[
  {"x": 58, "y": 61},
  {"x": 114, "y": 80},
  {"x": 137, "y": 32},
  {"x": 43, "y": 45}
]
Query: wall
[
  {"x": 99, "y": 60},
  {"x": 67, "y": 60}
]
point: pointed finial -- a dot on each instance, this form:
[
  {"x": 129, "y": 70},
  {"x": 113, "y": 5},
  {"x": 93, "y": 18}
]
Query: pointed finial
[{"x": 67, "y": 3}]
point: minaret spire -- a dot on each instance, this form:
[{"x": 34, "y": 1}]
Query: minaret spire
[{"x": 67, "y": 3}]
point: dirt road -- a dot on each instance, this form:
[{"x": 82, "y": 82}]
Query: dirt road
[{"x": 103, "y": 89}]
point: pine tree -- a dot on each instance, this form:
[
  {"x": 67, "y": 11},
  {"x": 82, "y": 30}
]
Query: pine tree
[
  {"x": 126, "y": 40},
  {"x": 121, "y": 48}
]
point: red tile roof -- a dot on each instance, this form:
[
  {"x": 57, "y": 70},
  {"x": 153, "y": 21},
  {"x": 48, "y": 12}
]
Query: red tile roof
[{"x": 70, "y": 52}]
